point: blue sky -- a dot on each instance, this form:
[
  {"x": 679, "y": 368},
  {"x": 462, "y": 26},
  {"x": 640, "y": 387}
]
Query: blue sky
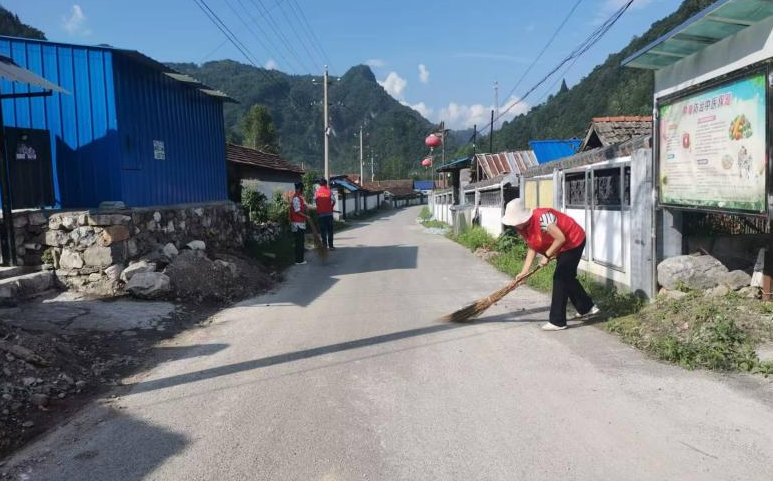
[{"x": 442, "y": 58}]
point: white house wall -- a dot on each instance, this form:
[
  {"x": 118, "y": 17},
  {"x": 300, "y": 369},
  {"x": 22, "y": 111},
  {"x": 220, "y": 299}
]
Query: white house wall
[
  {"x": 491, "y": 219},
  {"x": 268, "y": 188}
]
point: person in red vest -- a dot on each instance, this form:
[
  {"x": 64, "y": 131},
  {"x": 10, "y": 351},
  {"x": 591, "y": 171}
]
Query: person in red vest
[
  {"x": 554, "y": 235},
  {"x": 298, "y": 218},
  {"x": 325, "y": 204}
]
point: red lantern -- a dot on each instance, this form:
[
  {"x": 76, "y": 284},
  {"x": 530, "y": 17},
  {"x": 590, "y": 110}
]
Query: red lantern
[
  {"x": 426, "y": 162},
  {"x": 433, "y": 141}
]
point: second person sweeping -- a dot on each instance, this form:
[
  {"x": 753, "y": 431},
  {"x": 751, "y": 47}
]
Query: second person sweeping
[{"x": 553, "y": 234}]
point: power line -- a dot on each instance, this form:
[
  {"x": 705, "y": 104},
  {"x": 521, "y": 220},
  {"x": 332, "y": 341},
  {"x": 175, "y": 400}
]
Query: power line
[
  {"x": 586, "y": 45},
  {"x": 547, "y": 45},
  {"x": 228, "y": 33},
  {"x": 314, "y": 39},
  {"x": 257, "y": 37},
  {"x": 278, "y": 32},
  {"x": 300, "y": 38}
]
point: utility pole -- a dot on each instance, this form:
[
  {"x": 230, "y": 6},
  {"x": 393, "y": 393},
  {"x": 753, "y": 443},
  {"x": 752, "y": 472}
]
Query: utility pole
[
  {"x": 327, "y": 130},
  {"x": 491, "y": 135},
  {"x": 496, "y": 102},
  {"x": 362, "y": 171},
  {"x": 474, "y": 146}
]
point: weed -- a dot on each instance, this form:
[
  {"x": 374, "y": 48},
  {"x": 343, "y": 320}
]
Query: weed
[
  {"x": 435, "y": 224},
  {"x": 475, "y": 238},
  {"x": 425, "y": 214}
]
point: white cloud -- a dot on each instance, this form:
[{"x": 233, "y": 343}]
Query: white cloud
[
  {"x": 421, "y": 108},
  {"x": 75, "y": 22},
  {"x": 460, "y": 116},
  {"x": 394, "y": 85},
  {"x": 423, "y": 74},
  {"x": 376, "y": 62},
  {"x": 271, "y": 64}
]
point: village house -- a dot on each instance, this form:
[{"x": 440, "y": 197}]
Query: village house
[{"x": 260, "y": 171}]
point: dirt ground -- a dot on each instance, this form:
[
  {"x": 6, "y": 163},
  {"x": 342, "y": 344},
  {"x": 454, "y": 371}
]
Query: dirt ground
[{"x": 61, "y": 350}]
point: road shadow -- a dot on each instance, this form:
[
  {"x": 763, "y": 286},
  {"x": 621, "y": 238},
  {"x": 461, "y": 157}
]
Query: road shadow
[
  {"x": 122, "y": 448},
  {"x": 187, "y": 352},
  {"x": 319, "y": 276}
]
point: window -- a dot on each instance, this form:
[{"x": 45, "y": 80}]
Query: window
[
  {"x": 574, "y": 189},
  {"x": 491, "y": 198}
]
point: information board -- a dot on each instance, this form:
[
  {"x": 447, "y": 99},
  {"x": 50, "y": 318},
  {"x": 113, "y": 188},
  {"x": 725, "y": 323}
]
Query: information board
[{"x": 712, "y": 148}]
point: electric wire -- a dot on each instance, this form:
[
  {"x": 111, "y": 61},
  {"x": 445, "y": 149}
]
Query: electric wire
[
  {"x": 278, "y": 32},
  {"x": 312, "y": 35},
  {"x": 300, "y": 38}
]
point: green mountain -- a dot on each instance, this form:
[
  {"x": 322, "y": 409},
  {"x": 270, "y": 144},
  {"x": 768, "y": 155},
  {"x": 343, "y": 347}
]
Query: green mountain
[
  {"x": 12, "y": 26},
  {"x": 395, "y": 133},
  {"x": 608, "y": 90}
]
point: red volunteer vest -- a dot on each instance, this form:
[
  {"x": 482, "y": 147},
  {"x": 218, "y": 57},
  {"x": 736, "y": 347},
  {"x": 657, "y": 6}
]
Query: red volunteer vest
[
  {"x": 324, "y": 200},
  {"x": 296, "y": 216},
  {"x": 541, "y": 242}
]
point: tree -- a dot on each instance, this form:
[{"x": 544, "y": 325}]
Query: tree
[
  {"x": 564, "y": 87},
  {"x": 258, "y": 130}
]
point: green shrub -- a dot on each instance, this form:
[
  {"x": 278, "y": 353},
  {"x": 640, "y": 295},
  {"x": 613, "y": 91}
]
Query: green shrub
[
  {"x": 256, "y": 204},
  {"x": 425, "y": 214},
  {"x": 475, "y": 238},
  {"x": 508, "y": 241},
  {"x": 278, "y": 210}
]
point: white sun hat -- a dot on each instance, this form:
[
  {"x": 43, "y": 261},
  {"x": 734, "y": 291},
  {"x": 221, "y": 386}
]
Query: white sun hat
[{"x": 516, "y": 213}]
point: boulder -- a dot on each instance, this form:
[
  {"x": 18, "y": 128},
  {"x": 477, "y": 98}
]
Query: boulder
[
  {"x": 114, "y": 272},
  {"x": 170, "y": 251},
  {"x": 671, "y": 295},
  {"x": 750, "y": 292},
  {"x": 112, "y": 234},
  {"x": 84, "y": 236},
  {"x": 137, "y": 268},
  {"x": 197, "y": 245},
  {"x": 719, "y": 291},
  {"x": 102, "y": 256},
  {"x": 56, "y": 238},
  {"x": 38, "y": 218},
  {"x": 693, "y": 272},
  {"x": 108, "y": 219},
  {"x": 69, "y": 222},
  {"x": 149, "y": 285},
  {"x": 736, "y": 280},
  {"x": 70, "y": 259}
]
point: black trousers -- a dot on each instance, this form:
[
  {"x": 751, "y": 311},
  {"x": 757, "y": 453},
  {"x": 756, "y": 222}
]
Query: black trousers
[
  {"x": 300, "y": 241},
  {"x": 566, "y": 287},
  {"x": 326, "y": 230}
]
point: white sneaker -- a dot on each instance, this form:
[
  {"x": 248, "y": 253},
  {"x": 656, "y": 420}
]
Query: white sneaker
[
  {"x": 593, "y": 311},
  {"x": 548, "y": 326},
  {"x": 301, "y": 263}
]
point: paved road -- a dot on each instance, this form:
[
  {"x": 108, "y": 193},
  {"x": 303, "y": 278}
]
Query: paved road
[{"x": 342, "y": 374}]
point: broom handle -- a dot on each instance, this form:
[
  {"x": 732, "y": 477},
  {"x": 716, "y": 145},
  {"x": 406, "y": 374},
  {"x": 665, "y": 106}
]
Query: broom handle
[{"x": 520, "y": 281}]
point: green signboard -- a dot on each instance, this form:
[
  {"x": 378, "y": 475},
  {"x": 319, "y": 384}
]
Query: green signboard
[{"x": 712, "y": 148}]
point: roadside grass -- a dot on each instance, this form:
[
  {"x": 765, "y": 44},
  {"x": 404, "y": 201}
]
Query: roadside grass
[
  {"x": 278, "y": 254},
  {"x": 693, "y": 332},
  {"x": 435, "y": 224},
  {"x": 699, "y": 332}
]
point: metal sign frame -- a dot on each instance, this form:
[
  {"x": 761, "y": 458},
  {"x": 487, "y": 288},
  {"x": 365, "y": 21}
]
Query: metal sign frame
[{"x": 759, "y": 68}]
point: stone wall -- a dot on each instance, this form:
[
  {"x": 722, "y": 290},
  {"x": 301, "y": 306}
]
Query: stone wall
[{"x": 89, "y": 249}]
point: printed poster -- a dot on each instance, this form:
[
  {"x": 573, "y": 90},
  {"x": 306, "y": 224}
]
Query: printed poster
[{"x": 713, "y": 148}]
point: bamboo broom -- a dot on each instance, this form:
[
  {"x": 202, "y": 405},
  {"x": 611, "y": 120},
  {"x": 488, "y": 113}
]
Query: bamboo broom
[
  {"x": 319, "y": 246},
  {"x": 471, "y": 311}
]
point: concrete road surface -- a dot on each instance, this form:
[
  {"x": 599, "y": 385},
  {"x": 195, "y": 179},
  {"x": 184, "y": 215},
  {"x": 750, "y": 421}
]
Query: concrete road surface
[{"x": 342, "y": 374}]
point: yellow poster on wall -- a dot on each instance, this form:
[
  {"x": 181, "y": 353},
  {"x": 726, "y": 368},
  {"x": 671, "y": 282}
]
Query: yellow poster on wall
[
  {"x": 530, "y": 199},
  {"x": 546, "y": 193}
]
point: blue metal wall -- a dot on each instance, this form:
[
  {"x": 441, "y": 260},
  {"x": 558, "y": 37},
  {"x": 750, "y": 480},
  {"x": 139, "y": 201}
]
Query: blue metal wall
[
  {"x": 102, "y": 135},
  {"x": 83, "y": 125},
  {"x": 151, "y": 106}
]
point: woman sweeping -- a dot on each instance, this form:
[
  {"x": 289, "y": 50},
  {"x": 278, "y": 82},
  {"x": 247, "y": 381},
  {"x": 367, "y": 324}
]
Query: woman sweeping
[{"x": 553, "y": 234}]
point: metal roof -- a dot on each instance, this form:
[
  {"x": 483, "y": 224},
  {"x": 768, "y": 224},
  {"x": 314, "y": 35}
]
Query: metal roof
[
  {"x": 12, "y": 72},
  {"x": 346, "y": 185},
  {"x": 462, "y": 163},
  {"x": 606, "y": 131},
  {"x": 140, "y": 58},
  {"x": 517, "y": 162},
  {"x": 714, "y": 23},
  {"x": 423, "y": 184},
  {"x": 552, "y": 149}
]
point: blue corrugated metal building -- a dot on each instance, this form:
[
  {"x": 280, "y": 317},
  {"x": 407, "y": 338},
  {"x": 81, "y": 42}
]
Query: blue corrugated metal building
[
  {"x": 547, "y": 150},
  {"x": 132, "y": 129}
]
